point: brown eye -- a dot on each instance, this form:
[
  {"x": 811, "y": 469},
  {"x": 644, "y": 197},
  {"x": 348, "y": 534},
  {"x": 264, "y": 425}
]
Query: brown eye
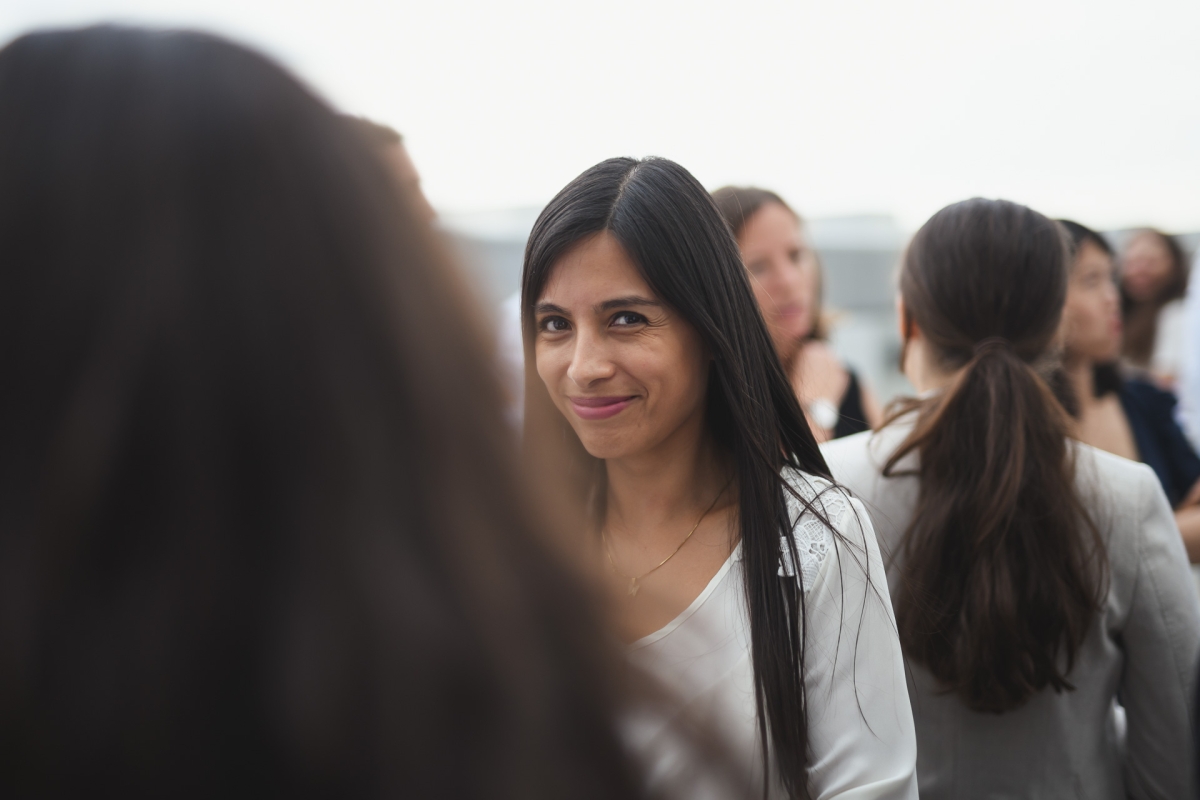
[{"x": 553, "y": 325}]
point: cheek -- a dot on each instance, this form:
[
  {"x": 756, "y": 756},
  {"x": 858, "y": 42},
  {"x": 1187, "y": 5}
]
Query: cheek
[
  {"x": 675, "y": 372},
  {"x": 690, "y": 371},
  {"x": 761, "y": 295},
  {"x": 551, "y": 363}
]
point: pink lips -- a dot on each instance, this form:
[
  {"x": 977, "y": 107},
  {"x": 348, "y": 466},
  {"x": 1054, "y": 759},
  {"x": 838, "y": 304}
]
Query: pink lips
[{"x": 600, "y": 407}]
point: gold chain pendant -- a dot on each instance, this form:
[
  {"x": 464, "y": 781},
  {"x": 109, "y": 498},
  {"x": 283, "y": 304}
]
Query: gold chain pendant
[{"x": 633, "y": 582}]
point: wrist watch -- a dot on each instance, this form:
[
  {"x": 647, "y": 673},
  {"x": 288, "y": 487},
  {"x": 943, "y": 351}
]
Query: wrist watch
[{"x": 823, "y": 414}]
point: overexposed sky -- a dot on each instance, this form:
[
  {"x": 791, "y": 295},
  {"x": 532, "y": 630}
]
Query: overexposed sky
[{"x": 1082, "y": 109}]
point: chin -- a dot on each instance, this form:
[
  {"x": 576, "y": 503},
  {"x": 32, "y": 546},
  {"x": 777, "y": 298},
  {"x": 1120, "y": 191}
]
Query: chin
[
  {"x": 603, "y": 441},
  {"x": 607, "y": 447},
  {"x": 798, "y": 333}
]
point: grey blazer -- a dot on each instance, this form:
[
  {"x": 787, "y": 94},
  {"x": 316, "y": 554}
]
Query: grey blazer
[{"x": 1143, "y": 650}]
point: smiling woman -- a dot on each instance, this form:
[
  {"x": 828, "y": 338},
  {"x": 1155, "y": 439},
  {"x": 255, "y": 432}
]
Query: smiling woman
[{"x": 726, "y": 547}]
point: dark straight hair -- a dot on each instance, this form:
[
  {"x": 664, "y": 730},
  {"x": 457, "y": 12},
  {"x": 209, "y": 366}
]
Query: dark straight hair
[
  {"x": 259, "y": 531},
  {"x": 1002, "y": 568},
  {"x": 738, "y": 204},
  {"x": 669, "y": 226}
]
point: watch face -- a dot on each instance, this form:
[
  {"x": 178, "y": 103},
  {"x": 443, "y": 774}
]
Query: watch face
[{"x": 823, "y": 414}]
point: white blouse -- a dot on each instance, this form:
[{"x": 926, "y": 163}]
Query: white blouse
[{"x": 861, "y": 737}]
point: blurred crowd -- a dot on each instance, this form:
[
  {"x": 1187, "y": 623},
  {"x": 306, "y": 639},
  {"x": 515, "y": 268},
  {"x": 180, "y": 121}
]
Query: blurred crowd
[{"x": 280, "y": 513}]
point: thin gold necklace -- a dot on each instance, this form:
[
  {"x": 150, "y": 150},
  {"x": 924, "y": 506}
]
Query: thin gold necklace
[{"x": 635, "y": 582}]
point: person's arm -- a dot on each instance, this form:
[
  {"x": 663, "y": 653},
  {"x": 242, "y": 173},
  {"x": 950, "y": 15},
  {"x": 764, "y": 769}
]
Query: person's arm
[
  {"x": 861, "y": 734},
  {"x": 818, "y": 375},
  {"x": 1161, "y": 638}
]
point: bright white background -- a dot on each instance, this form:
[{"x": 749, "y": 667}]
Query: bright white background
[{"x": 1081, "y": 109}]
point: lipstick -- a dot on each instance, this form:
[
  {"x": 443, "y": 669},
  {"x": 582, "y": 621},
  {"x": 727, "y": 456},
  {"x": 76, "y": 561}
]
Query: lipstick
[{"x": 593, "y": 408}]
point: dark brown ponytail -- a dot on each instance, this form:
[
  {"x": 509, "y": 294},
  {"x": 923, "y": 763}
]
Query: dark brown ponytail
[{"x": 1002, "y": 567}]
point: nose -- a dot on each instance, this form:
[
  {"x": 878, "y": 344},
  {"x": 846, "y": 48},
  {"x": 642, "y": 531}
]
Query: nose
[
  {"x": 1112, "y": 296},
  {"x": 790, "y": 281},
  {"x": 590, "y": 361}
]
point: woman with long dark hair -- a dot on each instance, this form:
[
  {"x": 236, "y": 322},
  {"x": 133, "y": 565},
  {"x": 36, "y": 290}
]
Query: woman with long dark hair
[
  {"x": 1035, "y": 580},
  {"x": 1117, "y": 412},
  {"x": 787, "y": 279},
  {"x": 259, "y": 534},
  {"x": 742, "y": 578}
]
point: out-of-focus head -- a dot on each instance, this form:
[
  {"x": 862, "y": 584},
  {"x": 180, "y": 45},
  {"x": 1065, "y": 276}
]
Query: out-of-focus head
[
  {"x": 1092, "y": 317},
  {"x": 260, "y": 531},
  {"x": 784, "y": 270},
  {"x": 1153, "y": 267},
  {"x": 395, "y": 155},
  {"x": 983, "y": 269}
]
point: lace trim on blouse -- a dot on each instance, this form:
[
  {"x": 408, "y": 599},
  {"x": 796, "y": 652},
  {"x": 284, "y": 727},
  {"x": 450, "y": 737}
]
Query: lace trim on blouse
[{"x": 814, "y": 539}]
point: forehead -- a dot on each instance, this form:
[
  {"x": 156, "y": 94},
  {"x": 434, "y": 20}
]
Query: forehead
[
  {"x": 1146, "y": 244},
  {"x": 1090, "y": 258},
  {"x": 595, "y": 269},
  {"x": 773, "y": 222}
]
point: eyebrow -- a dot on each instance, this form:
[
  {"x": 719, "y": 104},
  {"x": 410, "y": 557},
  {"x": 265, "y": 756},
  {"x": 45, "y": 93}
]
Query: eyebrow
[
  {"x": 607, "y": 305},
  {"x": 548, "y": 308},
  {"x": 624, "y": 302}
]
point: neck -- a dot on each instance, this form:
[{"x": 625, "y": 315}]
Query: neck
[
  {"x": 1083, "y": 381},
  {"x": 922, "y": 369},
  {"x": 673, "y": 482}
]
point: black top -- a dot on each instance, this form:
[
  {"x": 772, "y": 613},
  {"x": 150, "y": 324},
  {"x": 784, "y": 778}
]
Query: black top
[
  {"x": 852, "y": 417},
  {"x": 1161, "y": 444}
]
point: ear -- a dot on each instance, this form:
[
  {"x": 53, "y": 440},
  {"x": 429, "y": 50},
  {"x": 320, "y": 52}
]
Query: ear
[{"x": 908, "y": 326}]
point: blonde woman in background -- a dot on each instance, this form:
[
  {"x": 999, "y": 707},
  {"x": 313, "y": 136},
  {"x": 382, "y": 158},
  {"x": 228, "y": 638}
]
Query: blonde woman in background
[{"x": 786, "y": 276}]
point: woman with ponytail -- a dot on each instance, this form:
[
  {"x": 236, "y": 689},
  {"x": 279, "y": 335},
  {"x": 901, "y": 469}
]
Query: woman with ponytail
[
  {"x": 742, "y": 579},
  {"x": 1035, "y": 579}
]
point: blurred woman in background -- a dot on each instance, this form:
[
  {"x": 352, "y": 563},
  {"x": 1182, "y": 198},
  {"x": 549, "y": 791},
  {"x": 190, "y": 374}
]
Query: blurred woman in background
[
  {"x": 1154, "y": 276},
  {"x": 741, "y": 577},
  {"x": 1121, "y": 414},
  {"x": 1035, "y": 579},
  {"x": 260, "y": 534},
  {"x": 786, "y": 276}
]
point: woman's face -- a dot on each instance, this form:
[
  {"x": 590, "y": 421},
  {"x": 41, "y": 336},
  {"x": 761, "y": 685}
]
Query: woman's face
[
  {"x": 1092, "y": 316},
  {"x": 626, "y": 371},
  {"x": 783, "y": 272},
  {"x": 1145, "y": 267}
]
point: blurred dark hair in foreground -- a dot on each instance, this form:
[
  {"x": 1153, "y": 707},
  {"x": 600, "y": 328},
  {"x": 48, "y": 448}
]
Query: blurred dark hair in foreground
[{"x": 258, "y": 526}]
